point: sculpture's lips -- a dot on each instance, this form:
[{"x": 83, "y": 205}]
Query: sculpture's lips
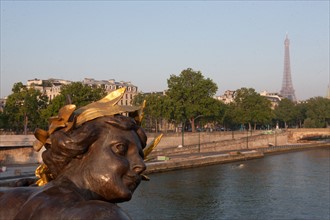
[
  {"x": 132, "y": 181},
  {"x": 145, "y": 177}
]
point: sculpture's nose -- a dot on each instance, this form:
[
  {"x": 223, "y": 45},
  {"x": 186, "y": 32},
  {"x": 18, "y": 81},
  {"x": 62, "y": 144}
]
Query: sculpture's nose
[{"x": 139, "y": 166}]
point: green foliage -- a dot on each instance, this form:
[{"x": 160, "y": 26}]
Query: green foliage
[
  {"x": 215, "y": 111},
  {"x": 286, "y": 112},
  {"x": 250, "y": 108},
  {"x": 158, "y": 108},
  {"x": 229, "y": 117},
  {"x": 3, "y": 121},
  {"x": 23, "y": 108},
  {"x": 81, "y": 94},
  {"x": 300, "y": 116},
  {"x": 310, "y": 123},
  {"x": 190, "y": 94},
  {"x": 77, "y": 93},
  {"x": 138, "y": 99},
  {"x": 29, "y": 108},
  {"x": 52, "y": 109},
  {"x": 317, "y": 113}
]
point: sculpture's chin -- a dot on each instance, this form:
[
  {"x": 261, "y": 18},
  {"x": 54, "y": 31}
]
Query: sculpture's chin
[
  {"x": 123, "y": 195},
  {"x": 125, "y": 198}
]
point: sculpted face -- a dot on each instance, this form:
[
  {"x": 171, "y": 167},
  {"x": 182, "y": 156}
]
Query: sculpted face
[{"x": 113, "y": 164}]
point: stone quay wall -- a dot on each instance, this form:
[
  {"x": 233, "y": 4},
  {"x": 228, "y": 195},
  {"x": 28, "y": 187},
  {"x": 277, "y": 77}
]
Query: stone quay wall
[
  {"x": 197, "y": 161},
  {"x": 215, "y": 142},
  {"x": 17, "y": 149},
  {"x": 18, "y": 155}
]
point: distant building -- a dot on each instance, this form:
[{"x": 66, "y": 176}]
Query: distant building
[
  {"x": 111, "y": 85},
  {"x": 49, "y": 87},
  {"x": 52, "y": 87},
  {"x": 227, "y": 97},
  {"x": 274, "y": 98},
  {"x": 163, "y": 93}
]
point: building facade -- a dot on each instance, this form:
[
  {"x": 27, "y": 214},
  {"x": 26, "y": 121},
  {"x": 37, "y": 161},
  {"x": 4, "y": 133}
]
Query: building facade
[
  {"x": 50, "y": 87},
  {"x": 273, "y": 97},
  {"x": 227, "y": 97},
  {"x": 111, "y": 85}
]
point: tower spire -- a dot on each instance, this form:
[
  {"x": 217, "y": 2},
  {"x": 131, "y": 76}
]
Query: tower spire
[
  {"x": 328, "y": 91},
  {"x": 287, "y": 90}
]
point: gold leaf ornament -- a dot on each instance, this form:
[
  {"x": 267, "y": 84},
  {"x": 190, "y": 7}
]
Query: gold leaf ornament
[
  {"x": 152, "y": 145},
  {"x": 61, "y": 120}
]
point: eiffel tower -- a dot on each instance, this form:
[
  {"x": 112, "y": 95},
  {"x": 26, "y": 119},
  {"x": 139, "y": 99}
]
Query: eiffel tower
[{"x": 287, "y": 90}]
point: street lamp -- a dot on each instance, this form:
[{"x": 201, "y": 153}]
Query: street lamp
[
  {"x": 182, "y": 129},
  {"x": 199, "y": 135},
  {"x": 247, "y": 138}
]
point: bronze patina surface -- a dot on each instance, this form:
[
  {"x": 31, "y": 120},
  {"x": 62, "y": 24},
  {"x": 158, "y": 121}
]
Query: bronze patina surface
[{"x": 94, "y": 158}]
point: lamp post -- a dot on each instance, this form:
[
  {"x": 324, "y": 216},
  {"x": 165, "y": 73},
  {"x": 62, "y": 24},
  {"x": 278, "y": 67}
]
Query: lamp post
[
  {"x": 275, "y": 137},
  {"x": 182, "y": 129},
  {"x": 25, "y": 123},
  {"x": 247, "y": 138},
  {"x": 25, "y": 117},
  {"x": 199, "y": 135}
]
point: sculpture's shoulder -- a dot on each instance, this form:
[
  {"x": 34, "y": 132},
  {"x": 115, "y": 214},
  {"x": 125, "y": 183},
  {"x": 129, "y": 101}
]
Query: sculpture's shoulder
[
  {"x": 96, "y": 209},
  {"x": 12, "y": 198},
  {"x": 15, "y": 195},
  {"x": 54, "y": 203}
]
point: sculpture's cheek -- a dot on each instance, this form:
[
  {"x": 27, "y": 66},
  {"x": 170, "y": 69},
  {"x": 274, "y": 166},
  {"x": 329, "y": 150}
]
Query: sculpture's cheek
[{"x": 105, "y": 178}]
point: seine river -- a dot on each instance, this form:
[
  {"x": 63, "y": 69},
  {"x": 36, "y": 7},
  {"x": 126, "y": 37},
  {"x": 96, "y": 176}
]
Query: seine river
[{"x": 284, "y": 186}]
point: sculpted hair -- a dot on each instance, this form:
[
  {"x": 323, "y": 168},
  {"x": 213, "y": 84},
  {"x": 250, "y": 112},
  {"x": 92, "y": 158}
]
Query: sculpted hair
[{"x": 74, "y": 144}]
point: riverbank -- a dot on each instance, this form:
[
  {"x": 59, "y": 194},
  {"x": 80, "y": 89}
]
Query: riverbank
[
  {"x": 190, "y": 161},
  {"x": 184, "y": 161},
  {"x": 10, "y": 174}
]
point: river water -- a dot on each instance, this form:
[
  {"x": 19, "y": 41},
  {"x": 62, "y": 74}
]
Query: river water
[{"x": 284, "y": 186}]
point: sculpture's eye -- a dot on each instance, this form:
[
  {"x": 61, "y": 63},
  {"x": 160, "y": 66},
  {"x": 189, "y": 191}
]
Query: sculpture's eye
[{"x": 120, "y": 149}]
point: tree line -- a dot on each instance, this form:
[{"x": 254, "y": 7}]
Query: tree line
[{"x": 188, "y": 104}]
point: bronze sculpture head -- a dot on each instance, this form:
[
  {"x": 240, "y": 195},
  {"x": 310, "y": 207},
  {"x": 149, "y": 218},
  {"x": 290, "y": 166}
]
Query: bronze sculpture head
[{"x": 93, "y": 159}]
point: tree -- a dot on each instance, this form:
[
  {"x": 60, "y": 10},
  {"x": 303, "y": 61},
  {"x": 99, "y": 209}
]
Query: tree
[
  {"x": 23, "y": 108},
  {"x": 300, "y": 113},
  {"x": 154, "y": 108},
  {"x": 317, "y": 112},
  {"x": 251, "y": 108},
  {"x": 4, "y": 125},
  {"x": 158, "y": 108},
  {"x": 230, "y": 119},
  {"x": 215, "y": 112},
  {"x": 285, "y": 112},
  {"x": 138, "y": 99},
  {"x": 81, "y": 94},
  {"x": 190, "y": 94},
  {"x": 77, "y": 93}
]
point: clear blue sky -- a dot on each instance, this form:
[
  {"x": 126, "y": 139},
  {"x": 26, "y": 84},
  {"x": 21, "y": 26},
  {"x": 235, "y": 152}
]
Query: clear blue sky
[{"x": 234, "y": 43}]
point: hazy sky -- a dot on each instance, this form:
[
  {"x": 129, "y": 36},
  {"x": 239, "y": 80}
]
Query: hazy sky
[{"x": 234, "y": 43}]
